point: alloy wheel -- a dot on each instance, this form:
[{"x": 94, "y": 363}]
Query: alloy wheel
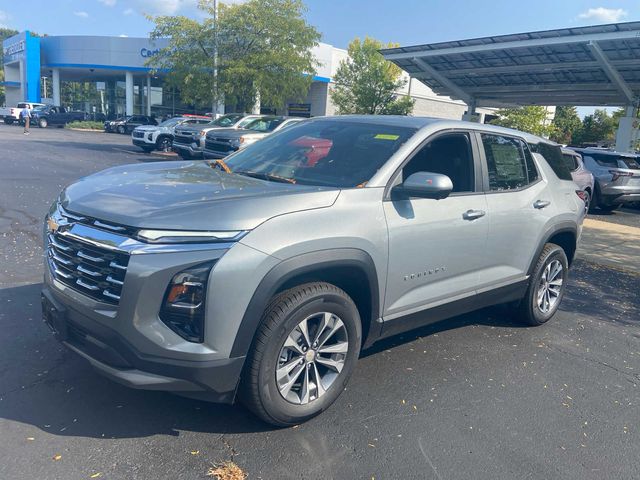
[
  {"x": 550, "y": 286},
  {"x": 311, "y": 358},
  {"x": 165, "y": 145}
]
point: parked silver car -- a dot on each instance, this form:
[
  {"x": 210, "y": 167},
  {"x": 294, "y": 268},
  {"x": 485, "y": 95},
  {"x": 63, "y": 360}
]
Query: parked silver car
[
  {"x": 617, "y": 177},
  {"x": 583, "y": 177},
  {"x": 222, "y": 142},
  {"x": 267, "y": 277}
]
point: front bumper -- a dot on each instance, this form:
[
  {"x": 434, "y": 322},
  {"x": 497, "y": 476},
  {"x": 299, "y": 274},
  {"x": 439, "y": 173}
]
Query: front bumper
[
  {"x": 112, "y": 356},
  {"x": 189, "y": 149},
  {"x": 141, "y": 142}
]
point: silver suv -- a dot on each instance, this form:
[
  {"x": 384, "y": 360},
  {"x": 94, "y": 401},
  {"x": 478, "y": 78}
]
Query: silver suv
[
  {"x": 265, "y": 275},
  {"x": 617, "y": 177}
]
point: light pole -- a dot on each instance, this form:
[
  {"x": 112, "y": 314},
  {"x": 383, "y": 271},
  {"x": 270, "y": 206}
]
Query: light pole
[{"x": 216, "y": 102}]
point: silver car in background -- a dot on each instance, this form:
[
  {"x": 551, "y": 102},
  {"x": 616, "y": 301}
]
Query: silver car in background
[
  {"x": 617, "y": 177},
  {"x": 581, "y": 176},
  {"x": 222, "y": 142}
]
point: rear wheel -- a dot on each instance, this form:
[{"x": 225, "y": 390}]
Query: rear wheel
[
  {"x": 121, "y": 130},
  {"x": 587, "y": 201},
  {"x": 8, "y": 121},
  {"x": 546, "y": 287},
  {"x": 303, "y": 354}
]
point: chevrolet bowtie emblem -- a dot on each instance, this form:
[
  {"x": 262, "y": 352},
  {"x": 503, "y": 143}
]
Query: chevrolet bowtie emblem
[{"x": 52, "y": 225}]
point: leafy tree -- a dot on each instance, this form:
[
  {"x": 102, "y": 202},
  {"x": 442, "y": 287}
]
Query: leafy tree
[
  {"x": 366, "y": 83},
  {"x": 259, "y": 47},
  {"x": 4, "y": 34},
  {"x": 599, "y": 127},
  {"x": 566, "y": 123},
  {"x": 532, "y": 119}
]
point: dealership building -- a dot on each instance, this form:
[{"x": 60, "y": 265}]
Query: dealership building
[{"x": 109, "y": 76}]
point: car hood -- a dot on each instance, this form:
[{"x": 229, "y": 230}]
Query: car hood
[
  {"x": 189, "y": 196},
  {"x": 148, "y": 128},
  {"x": 233, "y": 133}
]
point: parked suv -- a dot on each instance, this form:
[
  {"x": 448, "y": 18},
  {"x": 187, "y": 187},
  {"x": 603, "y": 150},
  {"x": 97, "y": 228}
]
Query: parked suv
[
  {"x": 617, "y": 177},
  {"x": 266, "y": 274},
  {"x": 127, "y": 124},
  {"x": 583, "y": 177},
  {"x": 188, "y": 141},
  {"x": 221, "y": 142},
  {"x": 160, "y": 137}
]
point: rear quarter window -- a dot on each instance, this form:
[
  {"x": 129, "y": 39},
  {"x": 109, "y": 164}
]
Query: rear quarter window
[{"x": 553, "y": 155}]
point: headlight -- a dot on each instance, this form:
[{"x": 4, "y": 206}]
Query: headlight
[
  {"x": 183, "y": 308},
  {"x": 189, "y": 236}
]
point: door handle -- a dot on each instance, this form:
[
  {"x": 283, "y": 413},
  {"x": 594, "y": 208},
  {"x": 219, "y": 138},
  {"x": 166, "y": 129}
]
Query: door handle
[
  {"x": 541, "y": 204},
  {"x": 473, "y": 214}
]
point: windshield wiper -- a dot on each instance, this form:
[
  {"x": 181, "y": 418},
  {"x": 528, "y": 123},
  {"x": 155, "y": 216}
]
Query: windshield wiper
[{"x": 265, "y": 176}]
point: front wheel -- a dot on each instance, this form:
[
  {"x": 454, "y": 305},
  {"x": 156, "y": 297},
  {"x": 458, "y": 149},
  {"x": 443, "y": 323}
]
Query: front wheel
[
  {"x": 303, "y": 354},
  {"x": 546, "y": 286},
  {"x": 42, "y": 123},
  {"x": 164, "y": 144},
  {"x": 121, "y": 130}
]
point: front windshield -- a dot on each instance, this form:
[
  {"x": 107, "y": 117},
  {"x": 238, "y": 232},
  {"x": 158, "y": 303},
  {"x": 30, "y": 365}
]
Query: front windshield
[
  {"x": 171, "y": 122},
  {"x": 265, "y": 124},
  {"x": 322, "y": 152},
  {"x": 228, "y": 120}
]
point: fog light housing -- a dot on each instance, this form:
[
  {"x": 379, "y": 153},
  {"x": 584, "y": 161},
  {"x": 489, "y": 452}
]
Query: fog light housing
[{"x": 183, "y": 307}]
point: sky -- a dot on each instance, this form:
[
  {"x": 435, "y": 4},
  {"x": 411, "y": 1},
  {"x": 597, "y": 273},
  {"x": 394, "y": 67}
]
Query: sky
[{"x": 407, "y": 22}]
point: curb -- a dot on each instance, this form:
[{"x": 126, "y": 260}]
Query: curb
[{"x": 85, "y": 130}]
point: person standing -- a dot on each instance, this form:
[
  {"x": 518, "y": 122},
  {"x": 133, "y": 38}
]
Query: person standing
[{"x": 25, "y": 114}]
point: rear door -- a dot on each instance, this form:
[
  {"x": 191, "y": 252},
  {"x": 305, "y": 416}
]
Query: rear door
[
  {"x": 436, "y": 247},
  {"x": 519, "y": 206}
]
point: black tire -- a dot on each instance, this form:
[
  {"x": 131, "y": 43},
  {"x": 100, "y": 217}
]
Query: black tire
[
  {"x": 587, "y": 201},
  {"x": 608, "y": 208},
  {"x": 163, "y": 144},
  {"x": 8, "y": 121},
  {"x": 121, "y": 130},
  {"x": 258, "y": 388},
  {"x": 529, "y": 310},
  {"x": 42, "y": 123}
]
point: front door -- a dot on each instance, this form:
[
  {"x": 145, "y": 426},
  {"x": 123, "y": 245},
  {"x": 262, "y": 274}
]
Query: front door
[{"x": 436, "y": 247}]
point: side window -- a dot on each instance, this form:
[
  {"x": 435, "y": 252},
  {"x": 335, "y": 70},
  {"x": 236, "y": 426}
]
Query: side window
[
  {"x": 448, "y": 154},
  {"x": 506, "y": 162},
  {"x": 571, "y": 161}
]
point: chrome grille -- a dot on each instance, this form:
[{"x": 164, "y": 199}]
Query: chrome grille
[
  {"x": 96, "y": 272},
  {"x": 137, "y": 134}
]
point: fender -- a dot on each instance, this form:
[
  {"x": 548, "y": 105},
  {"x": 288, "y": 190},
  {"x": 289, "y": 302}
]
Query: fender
[
  {"x": 307, "y": 263},
  {"x": 561, "y": 227}
]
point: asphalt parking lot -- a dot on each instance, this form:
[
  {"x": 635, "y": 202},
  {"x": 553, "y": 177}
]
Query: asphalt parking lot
[{"x": 473, "y": 397}]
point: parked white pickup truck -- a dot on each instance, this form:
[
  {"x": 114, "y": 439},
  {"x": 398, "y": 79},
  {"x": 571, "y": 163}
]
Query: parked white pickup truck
[{"x": 12, "y": 114}]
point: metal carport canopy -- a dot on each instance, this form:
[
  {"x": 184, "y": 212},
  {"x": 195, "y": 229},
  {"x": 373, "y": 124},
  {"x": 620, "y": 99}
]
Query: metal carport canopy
[{"x": 596, "y": 65}]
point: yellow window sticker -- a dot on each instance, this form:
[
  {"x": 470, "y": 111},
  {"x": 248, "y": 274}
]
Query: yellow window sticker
[{"x": 386, "y": 136}]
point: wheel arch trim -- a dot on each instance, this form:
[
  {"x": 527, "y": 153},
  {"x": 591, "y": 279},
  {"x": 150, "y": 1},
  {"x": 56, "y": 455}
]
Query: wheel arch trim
[
  {"x": 306, "y": 264},
  {"x": 563, "y": 227}
]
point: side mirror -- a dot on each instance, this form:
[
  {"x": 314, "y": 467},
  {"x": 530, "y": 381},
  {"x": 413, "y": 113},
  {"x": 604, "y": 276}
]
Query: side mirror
[{"x": 426, "y": 185}]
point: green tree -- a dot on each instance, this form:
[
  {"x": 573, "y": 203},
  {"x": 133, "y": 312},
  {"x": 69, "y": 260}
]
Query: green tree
[
  {"x": 366, "y": 83},
  {"x": 566, "y": 123},
  {"x": 259, "y": 47},
  {"x": 532, "y": 119},
  {"x": 599, "y": 127},
  {"x": 4, "y": 34}
]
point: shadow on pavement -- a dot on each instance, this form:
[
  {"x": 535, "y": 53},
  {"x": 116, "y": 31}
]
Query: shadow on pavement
[{"x": 45, "y": 385}]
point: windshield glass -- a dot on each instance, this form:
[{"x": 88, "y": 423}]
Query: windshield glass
[
  {"x": 265, "y": 124},
  {"x": 228, "y": 120},
  {"x": 322, "y": 152},
  {"x": 171, "y": 122}
]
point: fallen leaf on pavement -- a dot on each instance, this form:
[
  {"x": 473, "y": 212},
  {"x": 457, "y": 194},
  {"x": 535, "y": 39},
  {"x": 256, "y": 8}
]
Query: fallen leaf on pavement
[
  {"x": 57, "y": 457},
  {"x": 226, "y": 471},
  {"x": 195, "y": 452},
  {"x": 96, "y": 475}
]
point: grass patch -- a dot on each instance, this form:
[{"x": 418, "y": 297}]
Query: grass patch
[{"x": 88, "y": 125}]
